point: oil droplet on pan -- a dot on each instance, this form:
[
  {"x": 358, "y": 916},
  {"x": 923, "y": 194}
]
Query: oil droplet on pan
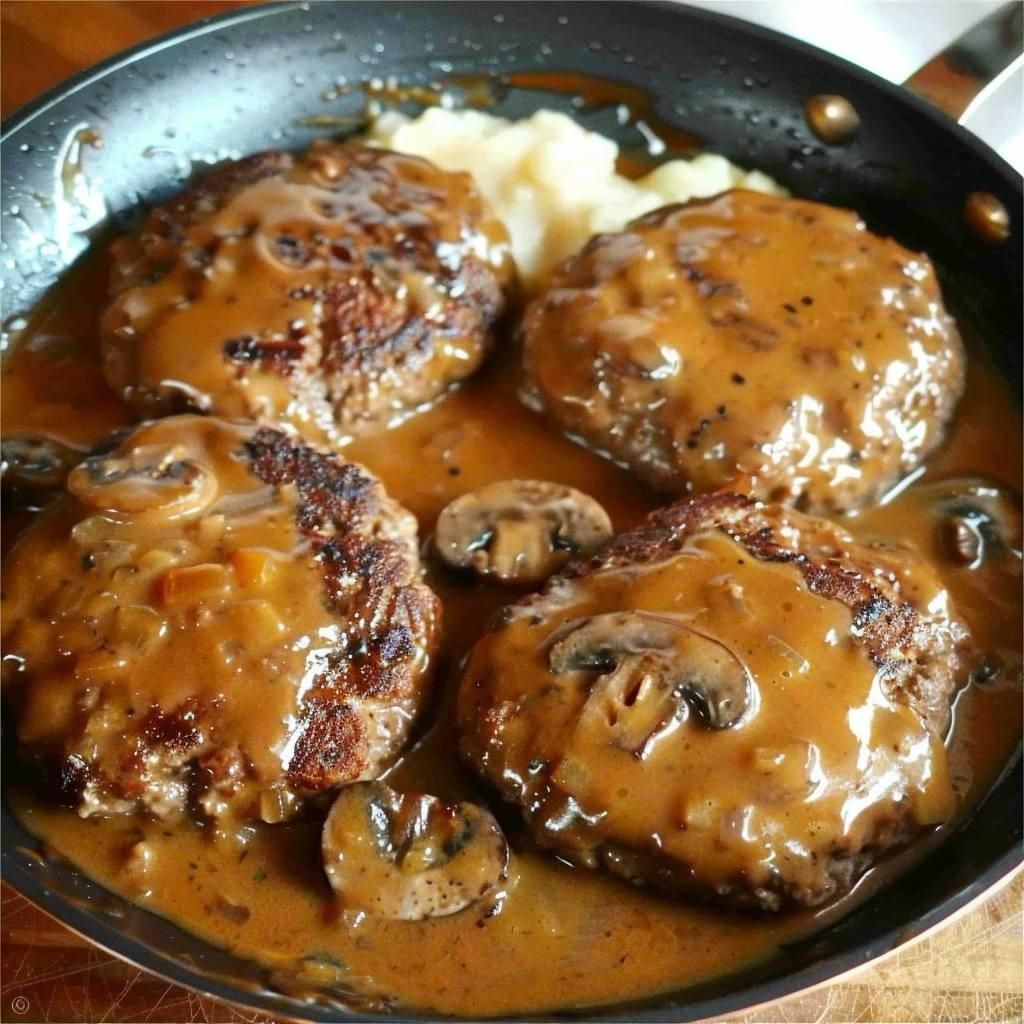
[
  {"x": 987, "y": 218},
  {"x": 832, "y": 118}
]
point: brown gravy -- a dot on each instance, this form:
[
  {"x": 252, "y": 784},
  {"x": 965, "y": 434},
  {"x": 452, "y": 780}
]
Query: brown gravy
[{"x": 564, "y": 937}]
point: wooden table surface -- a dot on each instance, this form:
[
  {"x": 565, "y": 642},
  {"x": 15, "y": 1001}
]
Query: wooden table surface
[{"x": 971, "y": 970}]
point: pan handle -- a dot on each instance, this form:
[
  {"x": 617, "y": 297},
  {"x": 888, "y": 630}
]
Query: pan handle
[{"x": 956, "y": 77}]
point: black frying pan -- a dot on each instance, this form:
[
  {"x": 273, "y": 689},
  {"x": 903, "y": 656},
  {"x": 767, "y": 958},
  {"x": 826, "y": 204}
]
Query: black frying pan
[{"x": 739, "y": 88}]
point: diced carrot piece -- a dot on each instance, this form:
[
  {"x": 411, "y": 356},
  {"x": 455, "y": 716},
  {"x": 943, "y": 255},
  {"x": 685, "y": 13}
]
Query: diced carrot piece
[
  {"x": 253, "y": 567},
  {"x": 191, "y": 583}
]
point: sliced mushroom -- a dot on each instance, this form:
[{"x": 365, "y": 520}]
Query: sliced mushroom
[
  {"x": 978, "y": 521},
  {"x": 152, "y": 480},
  {"x": 33, "y": 468},
  {"x": 408, "y": 856},
  {"x": 635, "y": 705},
  {"x": 650, "y": 669},
  {"x": 519, "y": 532}
]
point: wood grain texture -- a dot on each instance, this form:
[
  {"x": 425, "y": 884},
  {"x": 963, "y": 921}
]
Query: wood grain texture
[{"x": 971, "y": 970}]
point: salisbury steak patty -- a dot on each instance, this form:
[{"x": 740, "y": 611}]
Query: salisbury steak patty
[
  {"x": 332, "y": 290},
  {"x": 733, "y": 701},
  {"x": 216, "y": 614},
  {"x": 769, "y": 344}
]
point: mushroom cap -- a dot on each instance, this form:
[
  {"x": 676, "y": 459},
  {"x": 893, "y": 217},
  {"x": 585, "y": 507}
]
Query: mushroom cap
[
  {"x": 978, "y": 520},
  {"x": 145, "y": 481},
  {"x": 519, "y": 532},
  {"x": 408, "y": 856},
  {"x": 33, "y": 468}
]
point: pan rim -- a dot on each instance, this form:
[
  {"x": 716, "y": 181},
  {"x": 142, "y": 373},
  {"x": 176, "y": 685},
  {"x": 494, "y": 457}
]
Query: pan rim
[
  {"x": 103, "y": 934},
  {"x": 26, "y": 113}
]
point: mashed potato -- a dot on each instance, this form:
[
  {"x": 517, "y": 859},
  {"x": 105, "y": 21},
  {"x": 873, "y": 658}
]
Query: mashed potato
[{"x": 553, "y": 182}]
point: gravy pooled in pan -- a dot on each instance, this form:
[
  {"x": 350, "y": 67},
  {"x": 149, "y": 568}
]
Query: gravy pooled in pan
[
  {"x": 333, "y": 291},
  {"x": 731, "y": 701},
  {"x": 219, "y": 620},
  {"x": 749, "y": 338},
  {"x": 337, "y": 889}
]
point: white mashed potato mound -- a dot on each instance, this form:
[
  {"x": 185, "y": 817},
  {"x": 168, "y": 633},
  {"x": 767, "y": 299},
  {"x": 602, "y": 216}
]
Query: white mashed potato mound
[{"x": 550, "y": 180}]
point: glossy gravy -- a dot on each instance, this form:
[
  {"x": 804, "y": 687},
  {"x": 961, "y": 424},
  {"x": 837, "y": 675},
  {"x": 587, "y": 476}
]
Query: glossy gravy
[
  {"x": 563, "y": 937},
  {"x": 794, "y": 750}
]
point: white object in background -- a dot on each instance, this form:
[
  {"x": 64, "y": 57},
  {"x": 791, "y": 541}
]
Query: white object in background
[
  {"x": 893, "y": 38},
  {"x": 997, "y": 113}
]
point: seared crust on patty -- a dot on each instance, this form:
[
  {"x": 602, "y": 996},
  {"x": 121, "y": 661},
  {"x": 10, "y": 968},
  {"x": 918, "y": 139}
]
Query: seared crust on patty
[
  {"x": 366, "y": 547},
  {"x": 909, "y": 647},
  {"x": 733, "y": 701},
  {"x": 333, "y": 290},
  {"x": 217, "y": 617}
]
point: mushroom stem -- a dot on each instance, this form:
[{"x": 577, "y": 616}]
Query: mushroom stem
[{"x": 640, "y": 654}]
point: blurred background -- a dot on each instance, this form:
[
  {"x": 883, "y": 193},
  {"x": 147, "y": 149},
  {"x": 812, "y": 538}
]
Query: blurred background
[
  {"x": 44, "y": 42},
  {"x": 894, "y": 38}
]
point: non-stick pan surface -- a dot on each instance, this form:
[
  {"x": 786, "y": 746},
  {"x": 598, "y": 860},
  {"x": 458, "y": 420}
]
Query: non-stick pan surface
[{"x": 253, "y": 79}]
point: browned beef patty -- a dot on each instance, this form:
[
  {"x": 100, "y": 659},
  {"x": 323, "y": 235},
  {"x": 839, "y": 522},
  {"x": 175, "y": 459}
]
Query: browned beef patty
[
  {"x": 733, "y": 701},
  {"x": 334, "y": 290},
  {"x": 216, "y": 616},
  {"x": 772, "y": 345}
]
